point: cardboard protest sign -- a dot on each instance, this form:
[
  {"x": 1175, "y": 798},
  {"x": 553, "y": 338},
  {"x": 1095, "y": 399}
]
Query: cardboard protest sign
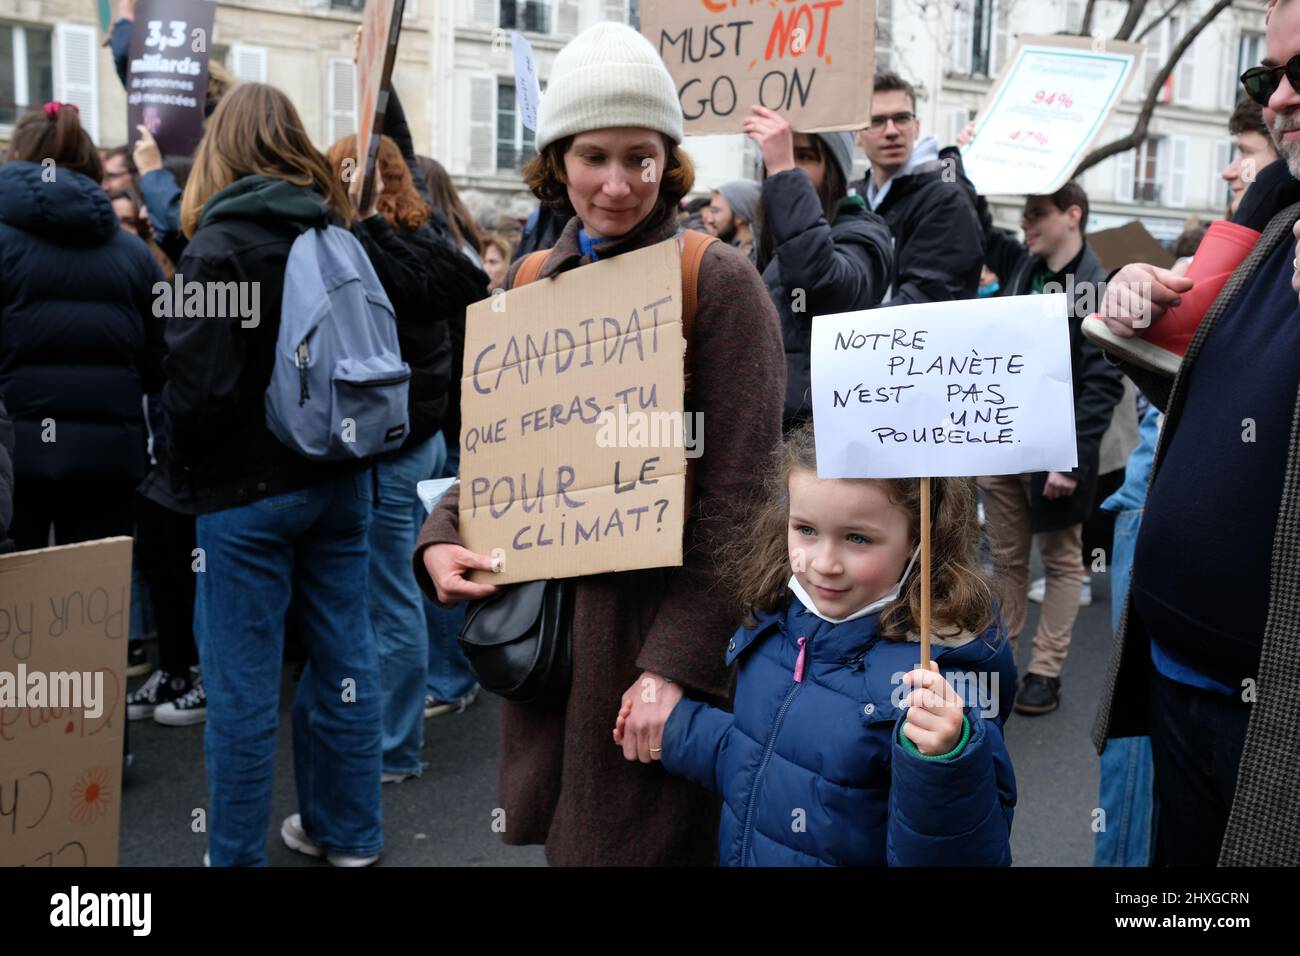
[
  {"x": 167, "y": 74},
  {"x": 812, "y": 62},
  {"x": 1129, "y": 243},
  {"x": 1047, "y": 109},
  {"x": 65, "y": 614},
  {"x": 573, "y": 457},
  {"x": 380, "y": 31},
  {"x": 981, "y": 387}
]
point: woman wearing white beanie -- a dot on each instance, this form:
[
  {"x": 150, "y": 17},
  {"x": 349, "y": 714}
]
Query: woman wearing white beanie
[{"x": 609, "y": 130}]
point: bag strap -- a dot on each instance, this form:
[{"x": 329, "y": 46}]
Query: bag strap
[
  {"x": 694, "y": 245},
  {"x": 531, "y": 267}
]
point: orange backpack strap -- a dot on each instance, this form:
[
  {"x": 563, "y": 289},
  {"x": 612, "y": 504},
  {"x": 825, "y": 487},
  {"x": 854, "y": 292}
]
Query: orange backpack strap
[
  {"x": 531, "y": 266},
  {"x": 694, "y": 245}
]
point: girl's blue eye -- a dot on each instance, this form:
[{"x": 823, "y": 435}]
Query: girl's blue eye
[
  {"x": 805, "y": 530},
  {"x": 858, "y": 539}
]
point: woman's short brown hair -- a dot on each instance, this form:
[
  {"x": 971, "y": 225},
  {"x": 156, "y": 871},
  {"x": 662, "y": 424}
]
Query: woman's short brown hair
[
  {"x": 544, "y": 175},
  {"x": 40, "y": 136}
]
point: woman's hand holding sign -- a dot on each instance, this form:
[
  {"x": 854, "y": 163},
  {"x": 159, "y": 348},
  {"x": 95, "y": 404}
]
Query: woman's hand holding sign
[{"x": 448, "y": 566}]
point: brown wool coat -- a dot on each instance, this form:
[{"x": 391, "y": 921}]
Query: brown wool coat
[{"x": 564, "y": 783}]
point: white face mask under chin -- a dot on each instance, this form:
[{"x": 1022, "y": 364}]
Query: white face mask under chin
[{"x": 876, "y": 605}]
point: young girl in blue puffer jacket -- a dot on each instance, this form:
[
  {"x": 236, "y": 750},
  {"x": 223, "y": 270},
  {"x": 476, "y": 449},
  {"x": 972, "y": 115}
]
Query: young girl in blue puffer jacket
[{"x": 841, "y": 750}]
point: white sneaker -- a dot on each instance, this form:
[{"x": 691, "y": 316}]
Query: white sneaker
[
  {"x": 437, "y": 708},
  {"x": 390, "y": 777},
  {"x": 295, "y": 838},
  {"x": 1038, "y": 590}
]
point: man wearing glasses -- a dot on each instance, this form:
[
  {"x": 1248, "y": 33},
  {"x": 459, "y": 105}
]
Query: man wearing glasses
[
  {"x": 938, "y": 245},
  {"x": 1207, "y": 659}
]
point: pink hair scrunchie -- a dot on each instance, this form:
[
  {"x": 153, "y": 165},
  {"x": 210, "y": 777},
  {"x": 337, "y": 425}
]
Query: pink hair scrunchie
[{"x": 52, "y": 108}]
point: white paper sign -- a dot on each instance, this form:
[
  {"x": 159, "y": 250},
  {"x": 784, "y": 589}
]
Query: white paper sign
[
  {"x": 1045, "y": 113},
  {"x": 981, "y": 387},
  {"x": 528, "y": 91}
]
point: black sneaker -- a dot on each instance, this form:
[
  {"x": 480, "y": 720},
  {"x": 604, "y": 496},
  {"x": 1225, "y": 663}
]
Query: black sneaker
[
  {"x": 137, "y": 660},
  {"x": 1039, "y": 695},
  {"x": 158, "y": 689},
  {"x": 190, "y": 707}
]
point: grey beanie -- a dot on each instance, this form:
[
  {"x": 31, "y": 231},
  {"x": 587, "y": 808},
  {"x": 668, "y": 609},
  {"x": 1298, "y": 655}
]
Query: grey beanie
[
  {"x": 840, "y": 146},
  {"x": 743, "y": 196}
]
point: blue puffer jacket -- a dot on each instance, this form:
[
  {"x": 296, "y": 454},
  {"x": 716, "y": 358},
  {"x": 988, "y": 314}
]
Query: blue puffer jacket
[{"x": 812, "y": 772}]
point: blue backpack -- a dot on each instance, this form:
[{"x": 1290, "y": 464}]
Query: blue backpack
[{"x": 339, "y": 386}]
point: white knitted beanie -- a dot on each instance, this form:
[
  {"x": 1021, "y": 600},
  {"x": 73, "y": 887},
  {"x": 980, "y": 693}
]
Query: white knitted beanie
[{"x": 607, "y": 76}]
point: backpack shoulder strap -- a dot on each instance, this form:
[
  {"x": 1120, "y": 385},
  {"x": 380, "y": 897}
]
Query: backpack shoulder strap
[
  {"x": 531, "y": 267},
  {"x": 694, "y": 245}
]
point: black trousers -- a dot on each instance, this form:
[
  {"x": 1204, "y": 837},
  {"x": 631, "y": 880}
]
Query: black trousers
[
  {"x": 78, "y": 511},
  {"x": 165, "y": 543},
  {"x": 1196, "y": 741},
  {"x": 1099, "y": 529}
]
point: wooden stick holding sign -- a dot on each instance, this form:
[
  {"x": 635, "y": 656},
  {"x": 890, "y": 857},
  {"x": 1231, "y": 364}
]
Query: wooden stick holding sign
[
  {"x": 941, "y": 390},
  {"x": 376, "y": 55}
]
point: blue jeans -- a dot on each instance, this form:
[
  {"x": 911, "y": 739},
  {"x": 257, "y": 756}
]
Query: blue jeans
[
  {"x": 450, "y": 678},
  {"x": 309, "y": 545},
  {"x": 397, "y": 606},
  {"x": 1126, "y": 770}
]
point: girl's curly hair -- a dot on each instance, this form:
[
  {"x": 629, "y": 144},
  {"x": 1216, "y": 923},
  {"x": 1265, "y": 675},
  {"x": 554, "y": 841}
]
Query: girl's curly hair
[{"x": 757, "y": 565}]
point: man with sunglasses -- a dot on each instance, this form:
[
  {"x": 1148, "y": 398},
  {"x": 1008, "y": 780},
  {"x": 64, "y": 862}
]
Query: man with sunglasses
[
  {"x": 938, "y": 245},
  {"x": 1207, "y": 658}
]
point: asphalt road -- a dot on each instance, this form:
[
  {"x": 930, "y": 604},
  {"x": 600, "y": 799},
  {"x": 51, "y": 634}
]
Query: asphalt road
[{"x": 444, "y": 818}]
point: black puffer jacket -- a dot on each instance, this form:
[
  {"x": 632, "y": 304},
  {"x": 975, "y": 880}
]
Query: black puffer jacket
[
  {"x": 938, "y": 247},
  {"x": 818, "y": 269},
  {"x": 79, "y": 344},
  {"x": 220, "y": 454}
]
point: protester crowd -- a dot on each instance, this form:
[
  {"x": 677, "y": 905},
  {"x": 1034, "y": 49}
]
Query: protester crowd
[{"x": 706, "y": 703}]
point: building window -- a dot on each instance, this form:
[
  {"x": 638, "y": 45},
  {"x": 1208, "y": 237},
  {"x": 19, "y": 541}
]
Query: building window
[
  {"x": 516, "y": 143},
  {"x": 884, "y": 33},
  {"x": 356, "y": 6},
  {"x": 530, "y": 16},
  {"x": 26, "y": 69},
  {"x": 1146, "y": 173},
  {"x": 1250, "y": 50}
]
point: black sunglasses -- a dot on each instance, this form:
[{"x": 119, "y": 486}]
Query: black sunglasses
[{"x": 1261, "y": 82}]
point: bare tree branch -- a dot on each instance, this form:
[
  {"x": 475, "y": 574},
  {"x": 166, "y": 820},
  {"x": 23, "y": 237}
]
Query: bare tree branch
[
  {"x": 1135, "y": 10},
  {"x": 1158, "y": 20},
  {"x": 1139, "y": 134},
  {"x": 1086, "y": 28}
]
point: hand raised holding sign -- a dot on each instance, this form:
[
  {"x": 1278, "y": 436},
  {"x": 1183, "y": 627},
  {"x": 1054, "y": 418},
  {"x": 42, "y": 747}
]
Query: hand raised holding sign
[{"x": 774, "y": 137}]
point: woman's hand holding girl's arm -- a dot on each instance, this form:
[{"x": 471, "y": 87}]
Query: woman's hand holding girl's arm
[
  {"x": 934, "y": 713},
  {"x": 639, "y": 728}
]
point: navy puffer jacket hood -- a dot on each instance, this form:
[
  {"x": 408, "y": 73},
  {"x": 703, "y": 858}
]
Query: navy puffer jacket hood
[
  {"x": 810, "y": 766},
  {"x": 79, "y": 345}
]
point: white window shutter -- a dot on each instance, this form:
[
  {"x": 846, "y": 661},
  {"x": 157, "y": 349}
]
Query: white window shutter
[
  {"x": 482, "y": 124},
  {"x": 616, "y": 10},
  {"x": 342, "y": 99},
  {"x": 1218, "y": 188},
  {"x": 1231, "y": 85},
  {"x": 1185, "y": 72},
  {"x": 963, "y": 30},
  {"x": 1002, "y": 38},
  {"x": 1176, "y": 192},
  {"x": 248, "y": 63},
  {"x": 568, "y": 18},
  {"x": 957, "y": 120},
  {"x": 76, "y": 76},
  {"x": 481, "y": 12},
  {"x": 1125, "y": 173},
  {"x": 1074, "y": 16}
]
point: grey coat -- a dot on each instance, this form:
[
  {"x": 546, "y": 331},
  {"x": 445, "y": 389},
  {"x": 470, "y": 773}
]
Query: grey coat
[{"x": 1264, "y": 823}]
